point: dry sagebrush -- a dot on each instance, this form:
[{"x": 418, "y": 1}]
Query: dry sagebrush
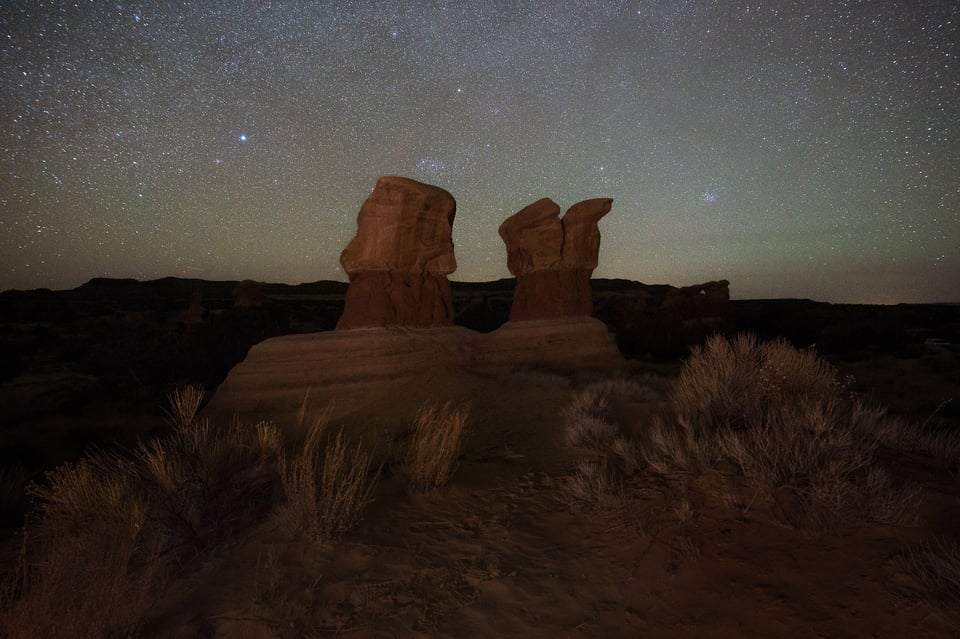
[
  {"x": 589, "y": 424},
  {"x": 589, "y": 421},
  {"x": 779, "y": 414},
  {"x": 86, "y": 568},
  {"x": 107, "y": 532},
  {"x": 206, "y": 481},
  {"x": 729, "y": 383}
]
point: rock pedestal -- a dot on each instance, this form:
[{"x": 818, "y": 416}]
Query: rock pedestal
[
  {"x": 400, "y": 258},
  {"x": 399, "y": 369},
  {"x": 553, "y": 258}
]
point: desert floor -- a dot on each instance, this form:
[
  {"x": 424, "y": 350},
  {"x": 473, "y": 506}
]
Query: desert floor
[{"x": 500, "y": 551}]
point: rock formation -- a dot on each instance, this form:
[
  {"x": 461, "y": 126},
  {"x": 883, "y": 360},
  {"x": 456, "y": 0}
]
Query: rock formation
[
  {"x": 399, "y": 367},
  {"x": 698, "y": 301},
  {"x": 399, "y": 260},
  {"x": 661, "y": 320},
  {"x": 553, "y": 258}
]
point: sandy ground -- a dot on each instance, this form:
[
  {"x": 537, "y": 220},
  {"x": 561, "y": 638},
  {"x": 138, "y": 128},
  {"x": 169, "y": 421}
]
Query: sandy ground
[{"x": 499, "y": 552}]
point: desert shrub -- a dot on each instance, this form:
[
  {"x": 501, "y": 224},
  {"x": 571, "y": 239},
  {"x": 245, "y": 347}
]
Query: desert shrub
[
  {"x": 936, "y": 567},
  {"x": 590, "y": 419},
  {"x": 793, "y": 443},
  {"x": 105, "y": 532},
  {"x": 435, "y": 444},
  {"x": 897, "y": 433},
  {"x": 325, "y": 487},
  {"x": 86, "y": 569},
  {"x": 887, "y": 502},
  {"x": 778, "y": 414},
  {"x": 627, "y": 454},
  {"x": 204, "y": 482},
  {"x": 729, "y": 383},
  {"x": 587, "y": 420},
  {"x": 593, "y": 485},
  {"x": 666, "y": 446},
  {"x": 818, "y": 450}
]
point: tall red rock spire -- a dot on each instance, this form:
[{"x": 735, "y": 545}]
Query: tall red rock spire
[
  {"x": 553, "y": 258},
  {"x": 399, "y": 260}
]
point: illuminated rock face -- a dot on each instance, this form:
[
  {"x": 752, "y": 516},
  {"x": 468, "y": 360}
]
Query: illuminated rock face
[
  {"x": 400, "y": 258},
  {"x": 399, "y": 368},
  {"x": 553, "y": 258}
]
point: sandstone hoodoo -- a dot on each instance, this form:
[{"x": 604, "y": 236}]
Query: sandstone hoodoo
[
  {"x": 553, "y": 258},
  {"x": 400, "y": 258}
]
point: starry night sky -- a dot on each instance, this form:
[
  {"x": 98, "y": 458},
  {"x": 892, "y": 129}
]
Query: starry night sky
[{"x": 797, "y": 148}]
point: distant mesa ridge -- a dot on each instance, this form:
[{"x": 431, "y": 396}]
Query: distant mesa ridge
[{"x": 179, "y": 289}]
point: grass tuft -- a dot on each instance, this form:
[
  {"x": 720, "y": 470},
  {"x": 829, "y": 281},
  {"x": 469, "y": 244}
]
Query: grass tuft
[
  {"x": 593, "y": 485},
  {"x": 184, "y": 404},
  {"x": 936, "y": 567},
  {"x": 587, "y": 421},
  {"x": 435, "y": 444},
  {"x": 86, "y": 569},
  {"x": 325, "y": 487}
]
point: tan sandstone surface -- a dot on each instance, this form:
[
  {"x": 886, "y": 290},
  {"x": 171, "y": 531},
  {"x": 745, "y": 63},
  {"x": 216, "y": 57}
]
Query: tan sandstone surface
[{"x": 354, "y": 369}]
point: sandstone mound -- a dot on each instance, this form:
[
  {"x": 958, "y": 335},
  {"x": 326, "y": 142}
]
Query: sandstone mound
[
  {"x": 400, "y": 258},
  {"x": 553, "y": 258},
  {"x": 398, "y": 366}
]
